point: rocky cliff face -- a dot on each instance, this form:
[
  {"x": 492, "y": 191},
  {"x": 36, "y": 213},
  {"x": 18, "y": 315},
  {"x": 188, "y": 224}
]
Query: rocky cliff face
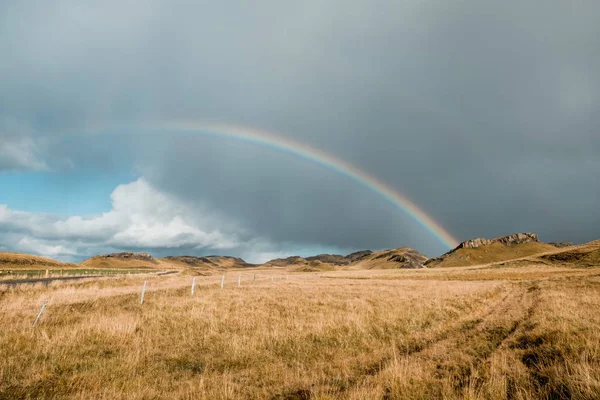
[
  {"x": 509, "y": 240},
  {"x": 517, "y": 238}
]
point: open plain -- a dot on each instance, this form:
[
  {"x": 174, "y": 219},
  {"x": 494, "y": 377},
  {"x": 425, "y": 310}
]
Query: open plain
[{"x": 526, "y": 329}]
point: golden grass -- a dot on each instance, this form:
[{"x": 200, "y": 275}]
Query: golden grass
[
  {"x": 99, "y": 262},
  {"x": 27, "y": 261},
  {"x": 527, "y": 332}
]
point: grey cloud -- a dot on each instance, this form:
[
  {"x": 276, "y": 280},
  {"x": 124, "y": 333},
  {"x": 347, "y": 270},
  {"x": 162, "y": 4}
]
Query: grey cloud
[
  {"x": 484, "y": 113},
  {"x": 18, "y": 149}
]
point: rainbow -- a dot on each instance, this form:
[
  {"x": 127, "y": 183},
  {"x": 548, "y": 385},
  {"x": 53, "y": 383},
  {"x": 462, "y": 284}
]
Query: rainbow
[{"x": 319, "y": 157}]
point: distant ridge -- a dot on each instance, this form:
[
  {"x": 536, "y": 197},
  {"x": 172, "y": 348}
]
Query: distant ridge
[
  {"x": 208, "y": 263},
  {"x": 403, "y": 257},
  {"x": 470, "y": 252},
  {"x": 320, "y": 261}
]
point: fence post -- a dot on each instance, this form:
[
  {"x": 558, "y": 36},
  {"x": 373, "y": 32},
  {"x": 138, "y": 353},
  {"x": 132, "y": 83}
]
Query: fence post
[
  {"x": 222, "y": 281},
  {"x": 40, "y": 313},
  {"x": 143, "y": 293},
  {"x": 193, "y": 284},
  {"x": 239, "y": 279},
  {"x": 255, "y": 276}
]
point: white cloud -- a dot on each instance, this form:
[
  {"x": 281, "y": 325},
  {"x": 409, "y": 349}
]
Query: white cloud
[
  {"x": 141, "y": 217},
  {"x": 32, "y": 245}
]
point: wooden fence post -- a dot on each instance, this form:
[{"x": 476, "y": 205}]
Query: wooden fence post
[
  {"x": 193, "y": 284},
  {"x": 222, "y": 281}
]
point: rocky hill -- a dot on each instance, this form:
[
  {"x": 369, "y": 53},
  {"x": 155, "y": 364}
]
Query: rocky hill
[
  {"x": 208, "y": 263},
  {"x": 403, "y": 257},
  {"x": 321, "y": 261},
  {"x": 483, "y": 251}
]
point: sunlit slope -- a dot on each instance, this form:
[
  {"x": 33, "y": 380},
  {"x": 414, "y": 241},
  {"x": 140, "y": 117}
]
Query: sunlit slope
[
  {"x": 585, "y": 255},
  {"x": 485, "y": 251},
  {"x": 27, "y": 261}
]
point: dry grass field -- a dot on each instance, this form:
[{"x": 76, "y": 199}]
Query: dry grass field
[{"x": 525, "y": 331}]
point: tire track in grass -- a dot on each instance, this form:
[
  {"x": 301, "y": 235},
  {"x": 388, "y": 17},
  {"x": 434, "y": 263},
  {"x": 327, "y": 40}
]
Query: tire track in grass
[
  {"x": 455, "y": 355},
  {"x": 419, "y": 344}
]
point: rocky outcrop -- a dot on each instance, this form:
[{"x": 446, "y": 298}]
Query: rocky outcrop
[
  {"x": 517, "y": 238},
  {"x": 509, "y": 240},
  {"x": 411, "y": 260},
  {"x": 473, "y": 243},
  {"x": 561, "y": 244},
  {"x": 129, "y": 256}
]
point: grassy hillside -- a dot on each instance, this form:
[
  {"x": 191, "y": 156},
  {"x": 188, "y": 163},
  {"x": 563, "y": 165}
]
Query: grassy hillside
[
  {"x": 586, "y": 255},
  {"x": 495, "y": 252},
  {"x": 100, "y": 262},
  {"x": 27, "y": 261}
]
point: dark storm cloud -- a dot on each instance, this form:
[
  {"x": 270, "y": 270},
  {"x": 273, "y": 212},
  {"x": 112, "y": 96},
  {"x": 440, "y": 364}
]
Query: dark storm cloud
[{"x": 485, "y": 114}]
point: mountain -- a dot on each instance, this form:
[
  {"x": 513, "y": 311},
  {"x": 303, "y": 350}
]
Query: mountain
[
  {"x": 320, "y": 260},
  {"x": 207, "y": 263},
  {"x": 403, "y": 257},
  {"x": 482, "y": 251}
]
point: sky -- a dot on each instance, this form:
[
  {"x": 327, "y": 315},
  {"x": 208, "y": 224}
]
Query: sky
[{"x": 485, "y": 115}]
